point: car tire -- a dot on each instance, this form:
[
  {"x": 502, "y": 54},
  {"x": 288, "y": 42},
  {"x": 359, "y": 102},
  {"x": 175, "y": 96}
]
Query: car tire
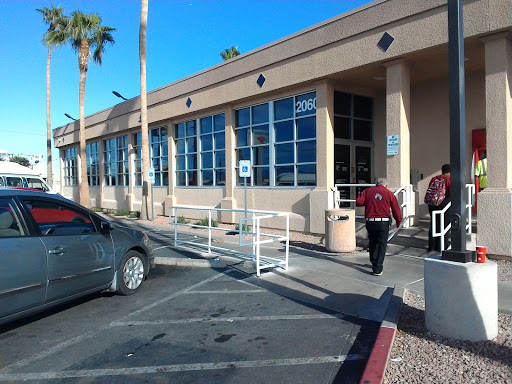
[{"x": 131, "y": 274}]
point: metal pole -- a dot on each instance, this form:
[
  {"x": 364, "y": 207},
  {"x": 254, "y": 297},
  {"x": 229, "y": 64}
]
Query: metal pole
[
  {"x": 458, "y": 250},
  {"x": 152, "y": 207},
  {"x": 245, "y": 197}
]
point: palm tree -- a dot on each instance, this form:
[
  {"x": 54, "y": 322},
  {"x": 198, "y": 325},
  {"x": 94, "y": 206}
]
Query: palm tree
[
  {"x": 144, "y": 110},
  {"x": 229, "y": 53},
  {"x": 55, "y": 36},
  {"x": 85, "y": 33}
]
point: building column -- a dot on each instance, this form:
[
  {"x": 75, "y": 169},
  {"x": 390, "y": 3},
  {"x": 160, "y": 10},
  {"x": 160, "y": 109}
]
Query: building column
[
  {"x": 170, "y": 199},
  {"x": 130, "y": 197},
  {"x": 101, "y": 149},
  {"x": 495, "y": 202},
  {"x": 397, "y": 122},
  {"x": 322, "y": 197},
  {"x": 229, "y": 201}
]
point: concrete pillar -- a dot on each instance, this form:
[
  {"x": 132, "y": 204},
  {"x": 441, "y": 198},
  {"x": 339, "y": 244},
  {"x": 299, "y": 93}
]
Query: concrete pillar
[
  {"x": 397, "y": 122},
  {"x": 130, "y": 197},
  {"x": 495, "y": 202},
  {"x": 170, "y": 199},
  {"x": 229, "y": 201},
  {"x": 322, "y": 197},
  {"x": 101, "y": 148}
]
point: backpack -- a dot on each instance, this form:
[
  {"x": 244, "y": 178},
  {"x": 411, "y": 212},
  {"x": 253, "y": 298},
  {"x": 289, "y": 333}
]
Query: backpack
[{"x": 436, "y": 191}]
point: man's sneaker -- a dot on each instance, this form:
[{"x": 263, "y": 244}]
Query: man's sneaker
[{"x": 377, "y": 274}]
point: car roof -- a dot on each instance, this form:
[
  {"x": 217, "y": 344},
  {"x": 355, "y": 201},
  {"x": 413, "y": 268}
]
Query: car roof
[{"x": 10, "y": 192}]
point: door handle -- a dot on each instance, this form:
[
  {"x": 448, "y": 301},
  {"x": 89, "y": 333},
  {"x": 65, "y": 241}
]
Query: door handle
[{"x": 57, "y": 251}]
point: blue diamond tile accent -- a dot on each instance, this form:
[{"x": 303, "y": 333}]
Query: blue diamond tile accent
[
  {"x": 189, "y": 102},
  {"x": 385, "y": 41},
  {"x": 261, "y": 80}
]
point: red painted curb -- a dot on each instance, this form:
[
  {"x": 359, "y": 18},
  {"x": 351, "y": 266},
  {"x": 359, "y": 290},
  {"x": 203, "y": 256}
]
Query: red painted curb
[{"x": 376, "y": 365}]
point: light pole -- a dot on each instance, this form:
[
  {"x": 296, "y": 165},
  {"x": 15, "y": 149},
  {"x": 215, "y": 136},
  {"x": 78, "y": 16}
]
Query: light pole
[
  {"x": 119, "y": 95},
  {"x": 69, "y": 117}
]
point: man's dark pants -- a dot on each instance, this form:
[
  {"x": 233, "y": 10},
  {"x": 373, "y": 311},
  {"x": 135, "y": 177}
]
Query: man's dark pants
[{"x": 378, "y": 232}]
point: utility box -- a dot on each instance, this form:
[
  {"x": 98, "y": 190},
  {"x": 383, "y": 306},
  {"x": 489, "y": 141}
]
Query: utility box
[{"x": 340, "y": 230}]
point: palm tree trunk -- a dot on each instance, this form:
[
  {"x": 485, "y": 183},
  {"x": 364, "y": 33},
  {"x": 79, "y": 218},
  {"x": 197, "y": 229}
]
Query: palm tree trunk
[
  {"x": 146, "y": 211},
  {"x": 49, "y": 169},
  {"x": 85, "y": 200}
]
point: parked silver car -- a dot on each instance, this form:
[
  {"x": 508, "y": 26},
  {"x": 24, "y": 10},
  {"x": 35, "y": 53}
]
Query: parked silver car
[{"x": 53, "y": 250}]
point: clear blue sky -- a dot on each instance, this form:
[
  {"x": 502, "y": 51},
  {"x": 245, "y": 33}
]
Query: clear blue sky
[{"x": 183, "y": 37}]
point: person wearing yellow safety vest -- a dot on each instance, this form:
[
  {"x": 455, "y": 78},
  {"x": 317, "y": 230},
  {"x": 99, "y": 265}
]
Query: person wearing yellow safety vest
[{"x": 481, "y": 171}]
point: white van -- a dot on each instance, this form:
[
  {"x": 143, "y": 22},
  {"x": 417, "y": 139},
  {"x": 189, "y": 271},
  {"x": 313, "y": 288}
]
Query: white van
[{"x": 14, "y": 175}]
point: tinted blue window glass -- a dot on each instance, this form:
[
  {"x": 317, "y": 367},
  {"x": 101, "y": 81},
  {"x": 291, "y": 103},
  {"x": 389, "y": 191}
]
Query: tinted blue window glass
[
  {"x": 207, "y": 177},
  {"x": 261, "y": 175},
  {"x": 306, "y": 128},
  {"x": 260, "y": 114},
  {"x": 284, "y": 131},
  {"x": 219, "y": 123},
  {"x": 283, "y": 109},
  {"x": 180, "y": 130},
  {"x": 305, "y": 104},
  {"x": 191, "y": 162},
  {"x": 207, "y": 160},
  {"x": 191, "y": 144},
  {"x": 220, "y": 177},
  {"x": 180, "y": 145},
  {"x": 191, "y": 128},
  {"x": 242, "y": 117},
  {"x": 192, "y": 177},
  {"x": 181, "y": 163},
  {"x": 306, "y": 151},
  {"x": 284, "y": 153},
  {"x": 261, "y": 156},
  {"x": 220, "y": 159},
  {"x": 242, "y": 137},
  {"x": 220, "y": 140},
  {"x": 306, "y": 174},
  {"x": 260, "y": 135},
  {"x": 244, "y": 154},
  {"x": 285, "y": 176},
  {"x": 206, "y": 124},
  {"x": 206, "y": 143}
]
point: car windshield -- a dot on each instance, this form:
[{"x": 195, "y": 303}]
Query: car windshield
[{"x": 37, "y": 184}]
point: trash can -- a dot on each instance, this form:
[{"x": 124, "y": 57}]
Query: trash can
[{"x": 340, "y": 230}]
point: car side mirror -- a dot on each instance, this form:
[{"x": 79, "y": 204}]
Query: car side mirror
[{"x": 106, "y": 226}]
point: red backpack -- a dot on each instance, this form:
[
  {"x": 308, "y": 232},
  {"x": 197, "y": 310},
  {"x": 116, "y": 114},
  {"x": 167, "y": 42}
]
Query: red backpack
[{"x": 436, "y": 191}]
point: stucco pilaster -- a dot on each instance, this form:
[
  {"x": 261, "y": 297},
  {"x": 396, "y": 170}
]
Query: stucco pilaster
[
  {"x": 495, "y": 230},
  {"x": 321, "y": 198},
  {"x": 229, "y": 201},
  {"x": 130, "y": 197},
  {"x": 101, "y": 149},
  {"x": 398, "y": 121}
]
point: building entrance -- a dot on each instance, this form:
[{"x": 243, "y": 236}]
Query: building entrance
[{"x": 353, "y": 165}]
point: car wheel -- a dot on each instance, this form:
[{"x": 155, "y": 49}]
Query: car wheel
[{"x": 131, "y": 274}]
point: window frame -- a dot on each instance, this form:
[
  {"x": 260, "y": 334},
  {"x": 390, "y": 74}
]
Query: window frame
[
  {"x": 70, "y": 167},
  {"x": 115, "y": 157}
]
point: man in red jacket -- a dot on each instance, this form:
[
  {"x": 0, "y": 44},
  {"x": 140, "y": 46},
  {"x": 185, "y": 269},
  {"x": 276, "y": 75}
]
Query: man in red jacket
[{"x": 379, "y": 203}]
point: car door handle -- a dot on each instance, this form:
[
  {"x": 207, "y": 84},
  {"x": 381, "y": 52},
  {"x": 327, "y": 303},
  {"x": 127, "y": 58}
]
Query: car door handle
[{"x": 57, "y": 251}]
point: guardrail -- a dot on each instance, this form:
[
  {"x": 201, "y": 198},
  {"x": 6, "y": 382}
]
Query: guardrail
[
  {"x": 407, "y": 200},
  {"x": 255, "y": 235},
  {"x": 471, "y": 192}
]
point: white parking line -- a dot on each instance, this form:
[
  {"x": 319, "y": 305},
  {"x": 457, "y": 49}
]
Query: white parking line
[
  {"x": 226, "y": 319},
  {"x": 85, "y": 336},
  {"x": 234, "y": 291},
  {"x": 179, "y": 368}
]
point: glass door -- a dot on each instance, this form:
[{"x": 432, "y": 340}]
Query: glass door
[{"x": 353, "y": 165}]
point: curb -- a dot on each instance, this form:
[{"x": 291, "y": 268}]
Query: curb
[
  {"x": 378, "y": 360},
  {"x": 179, "y": 262}
]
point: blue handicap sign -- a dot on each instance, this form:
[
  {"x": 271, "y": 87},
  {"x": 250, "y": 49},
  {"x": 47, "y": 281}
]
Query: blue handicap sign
[{"x": 245, "y": 169}]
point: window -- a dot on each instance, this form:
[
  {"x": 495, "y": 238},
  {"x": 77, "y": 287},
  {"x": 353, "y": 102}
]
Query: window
[
  {"x": 56, "y": 219},
  {"x": 200, "y": 152},
  {"x": 116, "y": 161},
  {"x": 36, "y": 183},
  {"x": 279, "y": 138},
  {"x": 353, "y": 117},
  {"x": 159, "y": 155},
  {"x": 10, "y": 224},
  {"x": 70, "y": 167},
  {"x": 137, "y": 161},
  {"x": 92, "y": 152}
]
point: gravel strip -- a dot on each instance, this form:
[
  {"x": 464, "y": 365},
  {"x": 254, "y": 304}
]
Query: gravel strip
[{"x": 419, "y": 356}]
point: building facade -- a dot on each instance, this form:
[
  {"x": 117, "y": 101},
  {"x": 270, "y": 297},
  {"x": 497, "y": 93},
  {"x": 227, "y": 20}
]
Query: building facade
[{"x": 312, "y": 110}]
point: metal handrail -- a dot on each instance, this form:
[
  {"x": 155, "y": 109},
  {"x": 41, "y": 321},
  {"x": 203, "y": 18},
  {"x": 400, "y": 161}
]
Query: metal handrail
[
  {"x": 471, "y": 191},
  {"x": 258, "y": 238}
]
